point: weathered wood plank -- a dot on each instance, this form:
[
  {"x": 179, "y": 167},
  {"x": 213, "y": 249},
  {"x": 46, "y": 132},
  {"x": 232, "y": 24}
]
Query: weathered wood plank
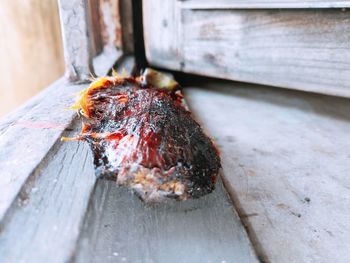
[
  {"x": 110, "y": 23},
  {"x": 121, "y": 228},
  {"x": 305, "y": 50},
  {"x": 45, "y": 185},
  {"x": 93, "y": 7},
  {"x": 264, "y": 4},
  {"x": 161, "y": 31},
  {"x": 8, "y": 120},
  {"x": 298, "y": 49},
  {"x": 285, "y": 157},
  {"x": 107, "y": 18},
  {"x": 32, "y": 133},
  {"x": 77, "y": 39},
  {"x": 28, "y": 134},
  {"x": 127, "y": 26},
  {"x": 44, "y": 224}
]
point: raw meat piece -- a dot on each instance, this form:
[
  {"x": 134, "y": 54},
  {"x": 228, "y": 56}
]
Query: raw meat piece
[{"x": 144, "y": 138}]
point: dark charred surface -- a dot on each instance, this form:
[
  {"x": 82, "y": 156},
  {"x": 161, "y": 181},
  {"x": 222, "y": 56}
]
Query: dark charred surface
[{"x": 145, "y": 139}]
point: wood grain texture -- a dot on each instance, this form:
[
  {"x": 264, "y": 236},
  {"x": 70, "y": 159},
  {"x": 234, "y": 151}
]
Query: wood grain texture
[
  {"x": 44, "y": 223},
  {"x": 264, "y": 4},
  {"x": 305, "y": 50},
  {"x": 9, "y": 120},
  {"x": 285, "y": 157},
  {"x": 93, "y": 8},
  {"x": 296, "y": 49},
  {"x": 77, "y": 39},
  {"x": 29, "y": 136},
  {"x": 121, "y": 228},
  {"x": 110, "y": 24},
  {"x": 45, "y": 184},
  {"x": 161, "y": 31},
  {"x": 127, "y": 26}
]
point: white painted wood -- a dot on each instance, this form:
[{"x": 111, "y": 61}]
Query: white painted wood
[
  {"x": 25, "y": 143},
  {"x": 286, "y": 161},
  {"x": 305, "y": 50},
  {"x": 45, "y": 184},
  {"x": 296, "y": 49},
  {"x": 263, "y": 4},
  {"x": 161, "y": 33},
  {"x": 44, "y": 223},
  {"x": 77, "y": 41},
  {"x": 121, "y": 228},
  {"x": 28, "y": 134}
]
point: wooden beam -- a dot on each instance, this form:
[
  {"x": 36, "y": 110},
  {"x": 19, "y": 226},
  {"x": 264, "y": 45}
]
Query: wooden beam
[
  {"x": 44, "y": 223},
  {"x": 31, "y": 134},
  {"x": 304, "y": 49},
  {"x": 27, "y": 135},
  {"x": 45, "y": 184},
  {"x": 77, "y": 40}
]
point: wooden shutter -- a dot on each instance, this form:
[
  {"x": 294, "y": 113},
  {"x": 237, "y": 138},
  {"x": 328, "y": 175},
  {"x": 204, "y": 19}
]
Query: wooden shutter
[{"x": 301, "y": 45}]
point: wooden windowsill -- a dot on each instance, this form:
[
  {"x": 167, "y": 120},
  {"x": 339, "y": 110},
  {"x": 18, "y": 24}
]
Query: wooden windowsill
[{"x": 28, "y": 133}]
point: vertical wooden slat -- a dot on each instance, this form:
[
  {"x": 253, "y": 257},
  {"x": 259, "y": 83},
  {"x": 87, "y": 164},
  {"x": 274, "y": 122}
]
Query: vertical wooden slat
[
  {"x": 110, "y": 24},
  {"x": 161, "y": 20},
  {"x": 76, "y": 39},
  {"x": 126, "y": 16},
  {"x": 95, "y": 29},
  {"x": 306, "y": 49}
]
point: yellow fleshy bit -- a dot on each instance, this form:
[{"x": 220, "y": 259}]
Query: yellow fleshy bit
[
  {"x": 173, "y": 186},
  {"x": 65, "y": 139},
  {"x": 124, "y": 73},
  {"x": 159, "y": 79}
]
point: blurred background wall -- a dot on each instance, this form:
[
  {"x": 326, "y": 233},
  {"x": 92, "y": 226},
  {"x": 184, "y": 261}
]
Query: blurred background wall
[{"x": 31, "y": 55}]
